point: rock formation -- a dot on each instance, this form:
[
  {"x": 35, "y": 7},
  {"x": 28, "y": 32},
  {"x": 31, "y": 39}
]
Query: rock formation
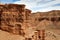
[{"x": 16, "y": 19}]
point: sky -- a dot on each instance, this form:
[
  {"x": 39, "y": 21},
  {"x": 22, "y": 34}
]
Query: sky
[{"x": 37, "y": 5}]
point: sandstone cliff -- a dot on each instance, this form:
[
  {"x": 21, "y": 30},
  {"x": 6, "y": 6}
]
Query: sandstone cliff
[{"x": 16, "y": 19}]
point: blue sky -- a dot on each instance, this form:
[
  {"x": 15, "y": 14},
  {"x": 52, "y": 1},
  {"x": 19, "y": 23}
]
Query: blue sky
[
  {"x": 37, "y": 5},
  {"x": 8, "y": 1}
]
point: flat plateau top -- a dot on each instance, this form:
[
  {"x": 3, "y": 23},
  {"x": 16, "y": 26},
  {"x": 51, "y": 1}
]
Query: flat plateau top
[{"x": 13, "y": 4}]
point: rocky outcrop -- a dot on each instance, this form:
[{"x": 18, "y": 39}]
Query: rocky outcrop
[{"x": 12, "y": 18}]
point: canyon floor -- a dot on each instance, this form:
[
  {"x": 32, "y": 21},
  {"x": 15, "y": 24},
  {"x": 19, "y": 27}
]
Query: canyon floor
[{"x": 50, "y": 35}]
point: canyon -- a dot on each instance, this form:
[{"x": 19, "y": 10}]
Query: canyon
[{"x": 20, "y": 23}]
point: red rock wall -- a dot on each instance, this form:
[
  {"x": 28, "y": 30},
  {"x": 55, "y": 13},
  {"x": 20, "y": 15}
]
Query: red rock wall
[{"x": 16, "y": 19}]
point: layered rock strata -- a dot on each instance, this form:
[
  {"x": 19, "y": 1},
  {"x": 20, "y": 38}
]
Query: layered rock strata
[{"x": 16, "y": 19}]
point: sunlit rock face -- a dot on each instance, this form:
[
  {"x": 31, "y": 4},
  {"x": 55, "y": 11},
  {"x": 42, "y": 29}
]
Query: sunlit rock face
[
  {"x": 16, "y": 19},
  {"x": 53, "y": 16},
  {"x": 12, "y": 17}
]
